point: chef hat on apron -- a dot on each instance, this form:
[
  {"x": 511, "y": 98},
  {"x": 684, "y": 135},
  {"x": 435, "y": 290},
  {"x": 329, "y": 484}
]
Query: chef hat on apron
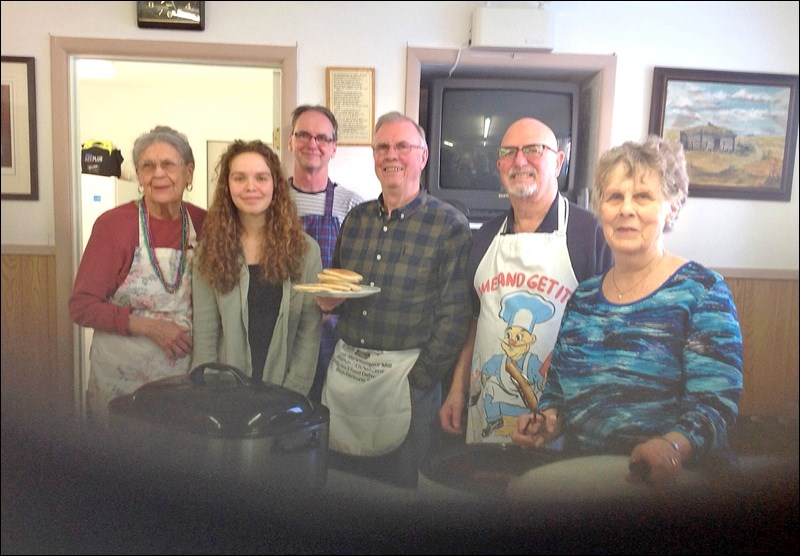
[{"x": 525, "y": 309}]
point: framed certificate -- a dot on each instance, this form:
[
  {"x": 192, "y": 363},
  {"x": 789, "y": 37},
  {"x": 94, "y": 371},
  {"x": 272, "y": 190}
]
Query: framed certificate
[{"x": 350, "y": 96}]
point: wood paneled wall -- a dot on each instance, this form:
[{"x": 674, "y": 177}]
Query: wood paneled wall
[
  {"x": 30, "y": 374},
  {"x": 768, "y": 314}
]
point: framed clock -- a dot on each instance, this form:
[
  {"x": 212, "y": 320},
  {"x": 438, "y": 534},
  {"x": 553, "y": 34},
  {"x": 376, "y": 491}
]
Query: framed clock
[{"x": 179, "y": 14}]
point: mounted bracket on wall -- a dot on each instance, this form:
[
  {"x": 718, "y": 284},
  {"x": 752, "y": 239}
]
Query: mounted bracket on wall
[{"x": 520, "y": 28}]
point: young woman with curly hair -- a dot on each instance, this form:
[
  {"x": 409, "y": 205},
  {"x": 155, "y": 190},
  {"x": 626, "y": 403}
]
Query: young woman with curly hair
[{"x": 254, "y": 250}]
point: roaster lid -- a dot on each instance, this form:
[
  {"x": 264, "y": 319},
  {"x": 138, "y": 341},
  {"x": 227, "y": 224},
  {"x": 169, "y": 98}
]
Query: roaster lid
[{"x": 219, "y": 400}]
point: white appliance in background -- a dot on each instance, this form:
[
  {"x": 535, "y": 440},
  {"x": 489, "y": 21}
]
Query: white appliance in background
[{"x": 98, "y": 194}]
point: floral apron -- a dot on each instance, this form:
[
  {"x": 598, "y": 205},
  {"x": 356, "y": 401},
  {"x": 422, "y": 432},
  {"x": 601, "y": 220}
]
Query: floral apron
[{"x": 120, "y": 364}]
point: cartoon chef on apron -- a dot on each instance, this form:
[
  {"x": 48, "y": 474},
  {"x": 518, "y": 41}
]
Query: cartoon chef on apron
[
  {"x": 525, "y": 281},
  {"x": 501, "y": 394}
]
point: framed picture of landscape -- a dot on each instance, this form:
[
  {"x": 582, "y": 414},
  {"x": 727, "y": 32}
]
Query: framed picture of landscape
[{"x": 738, "y": 130}]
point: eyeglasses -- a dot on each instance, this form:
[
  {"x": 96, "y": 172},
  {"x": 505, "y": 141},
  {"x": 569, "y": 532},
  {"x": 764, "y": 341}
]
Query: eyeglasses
[
  {"x": 305, "y": 137},
  {"x": 402, "y": 147},
  {"x": 531, "y": 152},
  {"x": 169, "y": 166}
]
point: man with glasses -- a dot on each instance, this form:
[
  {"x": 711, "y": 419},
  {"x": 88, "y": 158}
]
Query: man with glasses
[
  {"x": 524, "y": 266},
  {"x": 384, "y": 381},
  {"x": 321, "y": 203}
]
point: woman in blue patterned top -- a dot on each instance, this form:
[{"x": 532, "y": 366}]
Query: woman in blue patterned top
[{"x": 648, "y": 360}]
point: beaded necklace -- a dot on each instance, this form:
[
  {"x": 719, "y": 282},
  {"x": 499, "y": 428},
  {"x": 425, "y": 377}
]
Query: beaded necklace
[{"x": 144, "y": 215}]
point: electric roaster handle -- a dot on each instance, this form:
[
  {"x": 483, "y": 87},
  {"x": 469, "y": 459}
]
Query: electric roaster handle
[
  {"x": 310, "y": 443},
  {"x": 197, "y": 375}
]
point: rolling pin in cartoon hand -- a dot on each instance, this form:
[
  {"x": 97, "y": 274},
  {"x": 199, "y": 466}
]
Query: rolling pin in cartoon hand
[{"x": 524, "y": 387}]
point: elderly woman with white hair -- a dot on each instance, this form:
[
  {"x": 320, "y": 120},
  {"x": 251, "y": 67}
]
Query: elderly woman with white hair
[{"x": 648, "y": 360}]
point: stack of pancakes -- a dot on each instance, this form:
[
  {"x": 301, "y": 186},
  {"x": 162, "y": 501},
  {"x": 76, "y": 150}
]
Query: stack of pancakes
[{"x": 333, "y": 280}]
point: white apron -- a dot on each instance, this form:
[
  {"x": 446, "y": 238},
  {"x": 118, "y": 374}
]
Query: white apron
[
  {"x": 369, "y": 399},
  {"x": 524, "y": 282},
  {"x": 120, "y": 364}
]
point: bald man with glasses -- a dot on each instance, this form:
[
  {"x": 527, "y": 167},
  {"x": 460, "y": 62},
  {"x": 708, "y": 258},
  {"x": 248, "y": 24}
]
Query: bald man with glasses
[{"x": 523, "y": 267}]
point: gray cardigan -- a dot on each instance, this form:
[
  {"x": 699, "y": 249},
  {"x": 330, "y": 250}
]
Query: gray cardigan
[{"x": 221, "y": 323}]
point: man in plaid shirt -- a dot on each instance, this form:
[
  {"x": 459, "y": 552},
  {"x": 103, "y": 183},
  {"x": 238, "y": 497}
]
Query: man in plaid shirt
[{"x": 384, "y": 381}]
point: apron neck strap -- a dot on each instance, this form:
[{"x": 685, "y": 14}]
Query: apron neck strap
[{"x": 329, "y": 198}]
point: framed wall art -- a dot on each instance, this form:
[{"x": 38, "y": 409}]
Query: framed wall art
[
  {"x": 739, "y": 130},
  {"x": 350, "y": 95},
  {"x": 171, "y": 15},
  {"x": 20, "y": 179}
]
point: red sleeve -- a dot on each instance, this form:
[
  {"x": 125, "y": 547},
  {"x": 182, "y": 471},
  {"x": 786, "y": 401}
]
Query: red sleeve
[
  {"x": 198, "y": 216},
  {"x": 104, "y": 266}
]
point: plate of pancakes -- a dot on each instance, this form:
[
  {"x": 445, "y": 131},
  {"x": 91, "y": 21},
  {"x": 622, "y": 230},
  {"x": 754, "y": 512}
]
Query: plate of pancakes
[{"x": 339, "y": 283}]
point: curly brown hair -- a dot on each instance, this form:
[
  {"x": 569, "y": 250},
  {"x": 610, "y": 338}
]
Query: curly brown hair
[{"x": 283, "y": 244}]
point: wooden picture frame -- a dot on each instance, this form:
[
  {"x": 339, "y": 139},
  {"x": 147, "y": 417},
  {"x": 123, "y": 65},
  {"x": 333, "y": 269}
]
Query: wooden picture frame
[
  {"x": 20, "y": 177},
  {"x": 350, "y": 95},
  {"x": 189, "y": 15},
  {"x": 739, "y": 130}
]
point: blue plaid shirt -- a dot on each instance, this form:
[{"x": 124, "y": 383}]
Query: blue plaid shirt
[{"x": 418, "y": 258}]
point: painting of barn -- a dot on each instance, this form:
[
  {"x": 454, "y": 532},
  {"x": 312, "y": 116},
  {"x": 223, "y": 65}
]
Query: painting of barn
[
  {"x": 738, "y": 130},
  {"x": 708, "y": 137}
]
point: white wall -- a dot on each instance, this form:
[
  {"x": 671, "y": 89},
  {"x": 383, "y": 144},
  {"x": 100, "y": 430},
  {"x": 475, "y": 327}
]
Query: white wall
[
  {"x": 188, "y": 97},
  {"x": 730, "y": 36}
]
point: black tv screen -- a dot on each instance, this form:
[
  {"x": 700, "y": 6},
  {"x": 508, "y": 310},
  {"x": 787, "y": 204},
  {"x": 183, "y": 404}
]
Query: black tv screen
[{"x": 466, "y": 122}]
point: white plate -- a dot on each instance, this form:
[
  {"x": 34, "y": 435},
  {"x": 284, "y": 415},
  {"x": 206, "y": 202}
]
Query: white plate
[{"x": 363, "y": 292}]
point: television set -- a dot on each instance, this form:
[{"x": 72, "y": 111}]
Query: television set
[{"x": 466, "y": 120}]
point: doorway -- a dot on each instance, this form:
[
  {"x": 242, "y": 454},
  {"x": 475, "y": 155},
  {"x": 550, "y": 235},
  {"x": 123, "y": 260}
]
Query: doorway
[
  {"x": 117, "y": 100},
  {"x": 66, "y": 150}
]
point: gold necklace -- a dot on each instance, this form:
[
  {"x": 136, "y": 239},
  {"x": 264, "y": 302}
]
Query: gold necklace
[{"x": 621, "y": 293}]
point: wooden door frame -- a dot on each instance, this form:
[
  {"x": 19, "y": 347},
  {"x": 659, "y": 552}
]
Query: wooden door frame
[{"x": 66, "y": 171}]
